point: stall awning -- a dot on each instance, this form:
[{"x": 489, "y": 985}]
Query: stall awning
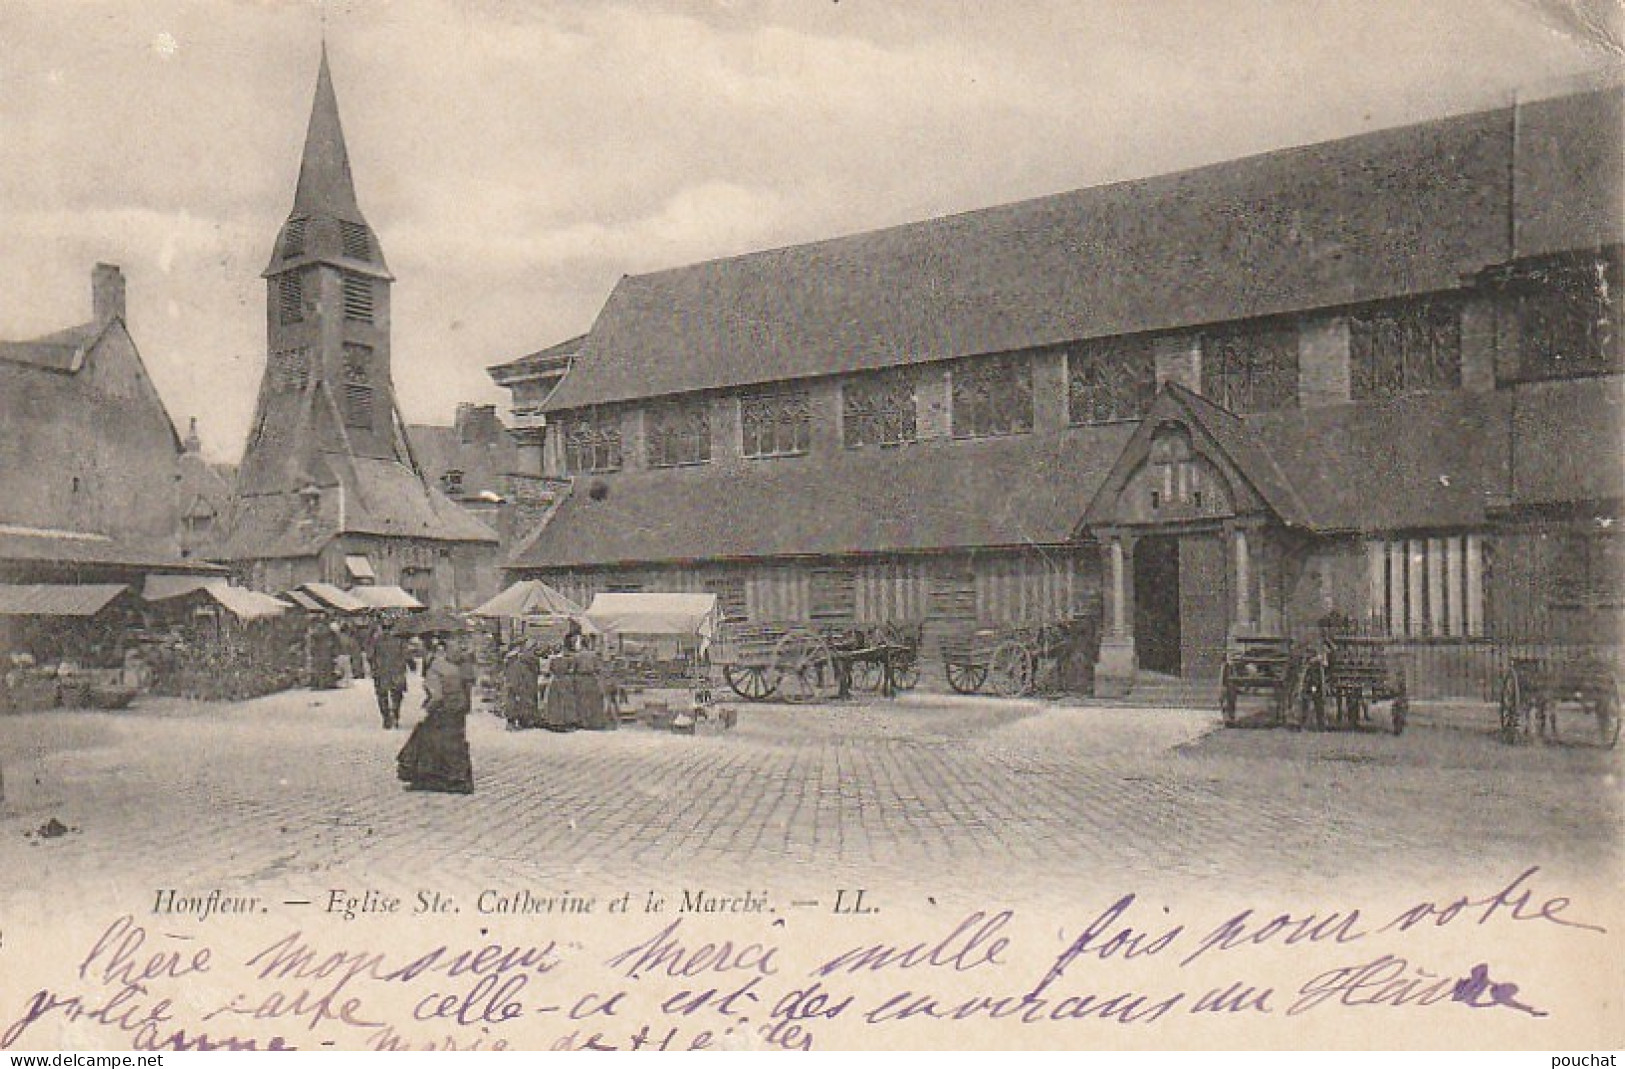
[
  {"x": 529, "y": 597},
  {"x": 654, "y": 614},
  {"x": 46, "y": 599},
  {"x": 244, "y": 603},
  {"x": 385, "y": 597},
  {"x": 360, "y": 568},
  {"x": 309, "y": 604},
  {"x": 333, "y": 597}
]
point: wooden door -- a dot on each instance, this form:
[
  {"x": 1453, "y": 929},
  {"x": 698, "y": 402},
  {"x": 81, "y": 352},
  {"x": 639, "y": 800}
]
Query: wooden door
[{"x": 1204, "y": 605}]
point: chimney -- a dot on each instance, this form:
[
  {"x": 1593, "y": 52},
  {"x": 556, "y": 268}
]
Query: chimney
[{"x": 107, "y": 293}]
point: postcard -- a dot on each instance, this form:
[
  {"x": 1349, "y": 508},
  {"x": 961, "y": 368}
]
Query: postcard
[{"x": 719, "y": 525}]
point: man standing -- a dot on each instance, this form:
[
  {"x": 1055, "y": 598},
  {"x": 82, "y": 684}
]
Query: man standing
[{"x": 389, "y": 677}]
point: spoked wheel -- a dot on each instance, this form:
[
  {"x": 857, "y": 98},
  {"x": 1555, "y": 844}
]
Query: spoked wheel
[
  {"x": 1010, "y": 671},
  {"x": 806, "y": 667},
  {"x": 868, "y": 676},
  {"x": 1228, "y": 696},
  {"x": 965, "y": 678},
  {"x": 751, "y": 681},
  {"x": 1511, "y": 705}
]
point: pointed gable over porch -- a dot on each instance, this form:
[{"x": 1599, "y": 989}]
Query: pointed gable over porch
[{"x": 1191, "y": 461}]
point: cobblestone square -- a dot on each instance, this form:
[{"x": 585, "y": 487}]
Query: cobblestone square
[{"x": 932, "y": 792}]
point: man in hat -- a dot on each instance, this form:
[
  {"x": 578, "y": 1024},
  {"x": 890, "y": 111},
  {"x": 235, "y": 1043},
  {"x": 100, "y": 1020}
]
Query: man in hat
[{"x": 389, "y": 676}]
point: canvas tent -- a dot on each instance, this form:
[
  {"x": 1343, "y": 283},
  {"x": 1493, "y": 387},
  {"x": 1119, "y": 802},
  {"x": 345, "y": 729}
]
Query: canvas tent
[
  {"x": 241, "y": 602},
  {"x": 654, "y": 614},
  {"x": 529, "y": 597},
  {"x": 384, "y": 597}
]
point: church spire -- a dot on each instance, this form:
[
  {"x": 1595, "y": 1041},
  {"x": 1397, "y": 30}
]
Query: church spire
[{"x": 325, "y": 186}]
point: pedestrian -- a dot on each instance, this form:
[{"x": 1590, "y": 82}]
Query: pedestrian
[
  {"x": 436, "y": 757},
  {"x": 389, "y": 676},
  {"x": 520, "y": 674},
  {"x": 342, "y": 658},
  {"x": 322, "y": 652}
]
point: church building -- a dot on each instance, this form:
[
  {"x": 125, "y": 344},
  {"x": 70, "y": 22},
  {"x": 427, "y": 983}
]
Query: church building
[
  {"x": 329, "y": 488},
  {"x": 1377, "y": 377}
]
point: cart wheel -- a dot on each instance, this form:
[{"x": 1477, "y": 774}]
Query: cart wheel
[
  {"x": 1399, "y": 711},
  {"x": 1608, "y": 713},
  {"x": 750, "y": 681},
  {"x": 1511, "y": 707},
  {"x": 868, "y": 676},
  {"x": 806, "y": 668},
  {"x": 1010, "y": 671},
  {"x": 906, "y": 676},
  {"x": 965, "y": 678}
]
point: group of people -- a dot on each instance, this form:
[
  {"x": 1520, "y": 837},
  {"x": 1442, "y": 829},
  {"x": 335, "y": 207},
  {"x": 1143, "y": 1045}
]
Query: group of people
[
  {"x": 556, "y": 687},
  {"x": 571, "y": 695}
]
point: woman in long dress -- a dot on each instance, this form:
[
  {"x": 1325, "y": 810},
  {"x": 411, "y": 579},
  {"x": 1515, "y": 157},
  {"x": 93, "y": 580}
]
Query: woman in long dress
[{"x": 436, "y": 757}]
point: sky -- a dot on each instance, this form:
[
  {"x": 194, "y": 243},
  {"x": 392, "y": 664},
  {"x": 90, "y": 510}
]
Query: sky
[{"x": 517, "y": 158}]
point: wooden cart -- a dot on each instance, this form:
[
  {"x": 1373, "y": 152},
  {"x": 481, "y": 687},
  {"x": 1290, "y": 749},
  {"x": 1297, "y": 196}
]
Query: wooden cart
[
  {"x": 1340, "y": 685},
  {"x": 1535, "y": 686},
  {"x": 1008, "y": 661},
  {"x": 1260, "y": 665},
  {"x": 802, "y": 662}
]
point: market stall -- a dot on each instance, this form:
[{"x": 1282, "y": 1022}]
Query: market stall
[
  {"x": 655, "y": 646},
  {"x": 64, "y": 644},
  {"x": 210, "y": 640}
]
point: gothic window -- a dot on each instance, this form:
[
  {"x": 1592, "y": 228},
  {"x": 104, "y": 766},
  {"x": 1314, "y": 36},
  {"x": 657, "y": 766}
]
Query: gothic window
[
  {"x": 878, "y": 409},
  {"x": 1177, "y": 480},
  {"x": 1405, "y": 348},
  {"x": 775, "y": 423},
  {"x": 592, "y": 442},
  {"x": 1252, "y": 368},
  {"x": 290, "y": 369},
  {"x": 357, "y": 298},
  {"x": 1110, "y": 379},
  {"x": 1568, "y": 318},
  {"x": 357, "y": 243},
  {"x": 678, "y": 432},
  {"x": 357, "y": 363},
  {"x": 992, "y": 396},
  {"x": 357, "y": 405},
  {"x": 291, "y": 298},
  {"x": 293, "y": 238}
]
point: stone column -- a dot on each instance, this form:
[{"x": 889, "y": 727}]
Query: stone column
[
  {"x": 1244, "y": 579},
  {"x": 1114, "y": 672}
]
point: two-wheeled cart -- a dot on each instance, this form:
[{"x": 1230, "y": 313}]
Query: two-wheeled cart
[{"x": 1535, "y": 686}]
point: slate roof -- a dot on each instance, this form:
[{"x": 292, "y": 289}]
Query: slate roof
[
  {"x": 1403, "y": 211},
  {"x": 60, "y": 351},
  {"x": 1022, "y": 490},
  {"x": 380, "y": 497},
  {"x": 35, "y": 545},
  {"x": 439, "y": 449},
  {"x": 1430, "y": 461},
  {"x": 551, "y": 358}
]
